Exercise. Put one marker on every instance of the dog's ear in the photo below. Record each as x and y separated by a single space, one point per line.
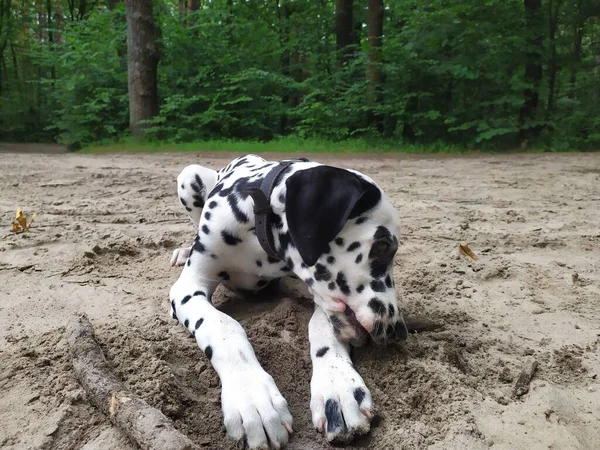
318 203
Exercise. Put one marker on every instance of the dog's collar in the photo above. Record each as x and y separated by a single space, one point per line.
262 206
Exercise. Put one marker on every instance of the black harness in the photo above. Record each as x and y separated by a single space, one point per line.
262 206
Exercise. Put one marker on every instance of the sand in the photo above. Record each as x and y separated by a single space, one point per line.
105 233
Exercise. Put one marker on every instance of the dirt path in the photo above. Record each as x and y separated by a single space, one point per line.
102 244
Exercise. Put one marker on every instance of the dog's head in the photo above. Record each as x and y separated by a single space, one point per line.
345 231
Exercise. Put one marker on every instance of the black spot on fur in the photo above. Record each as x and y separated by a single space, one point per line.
342 282
391 310
216 190
174 314
322 273
304 266
388 281
229 238
281 198
199 293
321 352
208 351
377 306
212 204
223 275
186 299
339 241
378 286
183 202
337 324
284 242
333 414
188 209
207 215
259 263
198 246
359 395
199 184
259 168
353 246
358 258
331 260
198 323
188 262
241 162
272 260
198 204
360 288
290 263
382 233
205 229
276 221
331 286
239 215
361 220
186 323
378 268
309 281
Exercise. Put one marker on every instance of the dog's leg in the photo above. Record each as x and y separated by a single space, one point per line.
194 183
340 401
253 407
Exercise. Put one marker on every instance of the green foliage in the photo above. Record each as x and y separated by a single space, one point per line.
89 94
453 75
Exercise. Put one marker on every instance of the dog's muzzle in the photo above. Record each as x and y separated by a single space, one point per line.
380 332
388 333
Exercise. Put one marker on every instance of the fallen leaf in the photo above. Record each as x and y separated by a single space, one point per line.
20 223
465 250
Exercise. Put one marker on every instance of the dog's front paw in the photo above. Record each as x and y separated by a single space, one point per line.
180 255
340 402
254 409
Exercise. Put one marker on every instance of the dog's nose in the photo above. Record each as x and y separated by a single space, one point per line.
401 330
393 332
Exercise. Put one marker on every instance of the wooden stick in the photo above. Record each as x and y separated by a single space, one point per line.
421 325
524 379
143 424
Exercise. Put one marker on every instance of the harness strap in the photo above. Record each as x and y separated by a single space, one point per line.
262 206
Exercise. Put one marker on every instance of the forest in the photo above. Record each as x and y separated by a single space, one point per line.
479 74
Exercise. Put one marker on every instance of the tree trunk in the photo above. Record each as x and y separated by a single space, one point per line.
228 22
142 64
578 34
553 64
344 30
533 66
283 17
193 5
4 25
374 72
82 9
576 59
51 36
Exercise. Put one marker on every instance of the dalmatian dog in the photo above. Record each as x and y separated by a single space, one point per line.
259 221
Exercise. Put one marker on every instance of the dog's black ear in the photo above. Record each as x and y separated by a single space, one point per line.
318 203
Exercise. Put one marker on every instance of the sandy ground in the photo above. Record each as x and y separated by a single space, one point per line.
109 223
